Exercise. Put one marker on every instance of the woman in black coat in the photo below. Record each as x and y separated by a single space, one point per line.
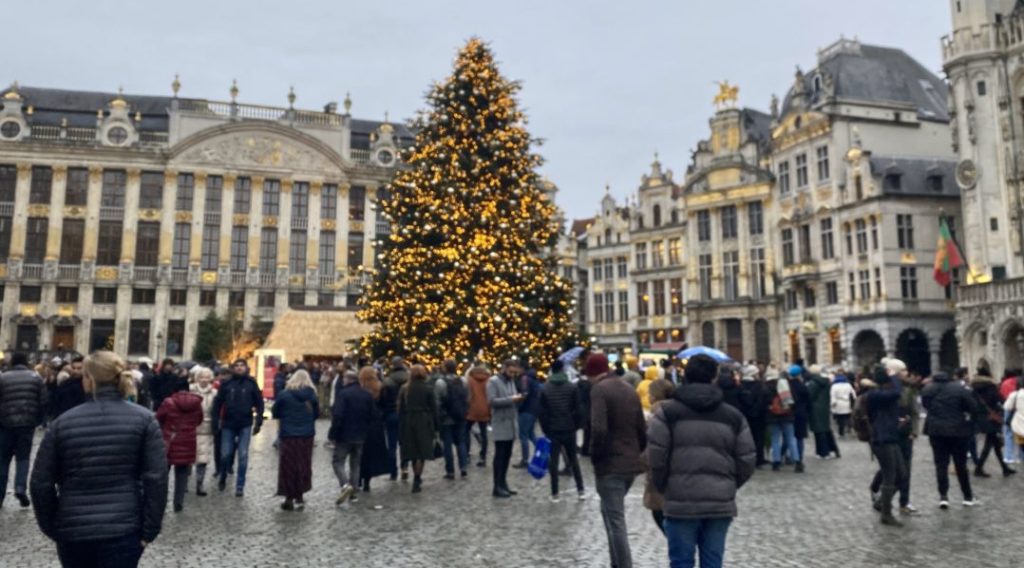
375 459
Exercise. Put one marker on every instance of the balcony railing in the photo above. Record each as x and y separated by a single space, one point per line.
211 218
111 213
145 274
7 209
179 276
32 271
992 292
327 280
360 155
802 271
258 112
69 272
238 278
267 278
300 223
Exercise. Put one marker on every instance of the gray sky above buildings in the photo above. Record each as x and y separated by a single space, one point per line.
606 84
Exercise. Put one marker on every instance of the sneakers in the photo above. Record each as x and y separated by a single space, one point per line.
287 506
799 468
222 484
944 503
353 499
346 492
555 499
464 474
971 502
239 492
978 472
581 496
909 511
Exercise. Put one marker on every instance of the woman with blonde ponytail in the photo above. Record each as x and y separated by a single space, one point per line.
107 458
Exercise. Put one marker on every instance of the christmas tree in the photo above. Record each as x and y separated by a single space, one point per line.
467 269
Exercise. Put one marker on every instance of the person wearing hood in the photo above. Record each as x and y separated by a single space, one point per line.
779 415
179 415
883 409
479 412
632 375
393 383
841 401
752 405
238 415
989 421
819 392
700 452
948 429
296 408
801 408
908 430
650 375
560 416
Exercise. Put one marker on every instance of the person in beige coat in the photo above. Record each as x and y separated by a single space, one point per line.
203 386
659 390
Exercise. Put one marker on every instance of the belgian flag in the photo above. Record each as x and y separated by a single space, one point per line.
947 255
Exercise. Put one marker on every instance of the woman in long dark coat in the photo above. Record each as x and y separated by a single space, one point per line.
296 408
375 449
417 423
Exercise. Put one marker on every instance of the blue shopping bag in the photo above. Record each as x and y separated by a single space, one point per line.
539 464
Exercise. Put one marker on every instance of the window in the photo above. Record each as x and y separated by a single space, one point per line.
356 202
598 271
805 243
101 336
893 182
934 183
823 169
783 177
42 184
186 189
112 192
982 91
300 200
296 299
329 202
853 286
239 248
623 306
657 254
268 250
874 234
355 251
77 190
325 299
179 296
676 292
849 239
35 239
703 226
266 299
327 252
236 299
30 294
243 195
827 250
905 231
656 215
858 187
6 224
728 222
865 284
609 268
675 251
831 293
801 170
642 300
791 302
67 294
609 307
704 276
787 247
104 295
109 245
757 273
8 182
211 247
993 224
731 272
138 336
755 217
297 253
147 244
598 307
641 256
878 282
71 239
623 270
151 190
862 236
271 198
207 298
659 297
810 300
180 245
214 194
144 296
175 337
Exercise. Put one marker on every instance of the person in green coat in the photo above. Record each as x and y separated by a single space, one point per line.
417 423
820 419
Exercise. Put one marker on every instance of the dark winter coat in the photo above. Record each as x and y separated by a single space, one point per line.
236 400
819 393
22 398
101 472
417 420
704 459
989 404
375 458
296 410
801 407
618 431
179 417
752 400
162 386
560 412
393 383
529 387
280 380
883 406
950 408
730 390
67 395
351 415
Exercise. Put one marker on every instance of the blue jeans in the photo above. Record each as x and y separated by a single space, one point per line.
526 424
1010 448
391 434
780 431
455 435
227 449
689 536
15 443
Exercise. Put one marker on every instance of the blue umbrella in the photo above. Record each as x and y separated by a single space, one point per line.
701 350
571 355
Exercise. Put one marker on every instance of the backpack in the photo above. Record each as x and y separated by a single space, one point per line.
456 403
860 421
777 408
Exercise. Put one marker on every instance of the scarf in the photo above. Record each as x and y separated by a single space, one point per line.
785 395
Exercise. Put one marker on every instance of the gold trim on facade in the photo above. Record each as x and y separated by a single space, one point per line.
183 217
328 225
37 210
209 277
240 220
270 221
149 214
74 212
106 273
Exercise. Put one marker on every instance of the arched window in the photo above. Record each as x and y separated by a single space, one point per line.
639 221
608 236
656 213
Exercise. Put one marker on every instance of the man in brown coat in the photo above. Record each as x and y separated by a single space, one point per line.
618 437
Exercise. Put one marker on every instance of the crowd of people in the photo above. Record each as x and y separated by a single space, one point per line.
696 433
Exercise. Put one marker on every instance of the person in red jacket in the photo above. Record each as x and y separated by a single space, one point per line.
179 415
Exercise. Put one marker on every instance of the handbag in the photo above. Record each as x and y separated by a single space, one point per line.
438 451
1017 419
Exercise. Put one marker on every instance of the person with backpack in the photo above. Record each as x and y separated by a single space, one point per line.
779 417
22 407
452 406
560 416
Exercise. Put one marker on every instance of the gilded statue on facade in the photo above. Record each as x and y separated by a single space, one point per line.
727 95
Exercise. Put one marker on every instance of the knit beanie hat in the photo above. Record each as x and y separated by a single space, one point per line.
749 373
597 365
795 370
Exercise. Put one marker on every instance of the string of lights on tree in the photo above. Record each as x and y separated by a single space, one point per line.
468 267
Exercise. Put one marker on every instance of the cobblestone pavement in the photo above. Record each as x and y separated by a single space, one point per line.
820 518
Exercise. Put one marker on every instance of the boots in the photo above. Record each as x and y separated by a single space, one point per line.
980 472
888 492
199 488
417 484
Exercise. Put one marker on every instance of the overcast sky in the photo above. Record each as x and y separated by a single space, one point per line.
605 84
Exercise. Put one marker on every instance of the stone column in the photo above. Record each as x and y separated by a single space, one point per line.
167 216
343 224
370 225
131 216
198 202
313 232
159 325
121 319
226 225
284 226
19 223
92 216
59 189
255 221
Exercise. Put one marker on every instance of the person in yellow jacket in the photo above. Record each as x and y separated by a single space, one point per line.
650 375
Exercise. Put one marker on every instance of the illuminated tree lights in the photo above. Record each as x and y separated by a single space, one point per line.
468 268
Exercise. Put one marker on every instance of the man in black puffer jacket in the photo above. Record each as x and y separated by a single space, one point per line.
700 452
950 408
560 415
239 398
22 404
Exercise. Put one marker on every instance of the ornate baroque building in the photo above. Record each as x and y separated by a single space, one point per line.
125 219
